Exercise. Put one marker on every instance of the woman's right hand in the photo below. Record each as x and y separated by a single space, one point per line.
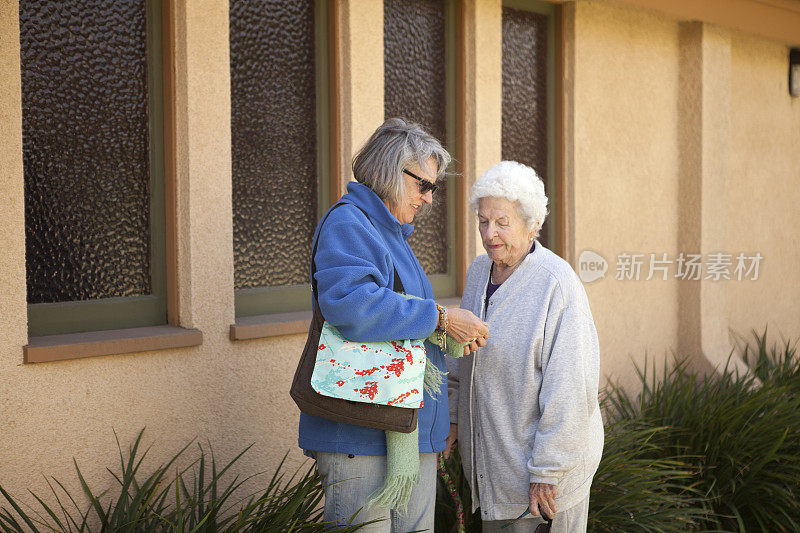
466 328
451 441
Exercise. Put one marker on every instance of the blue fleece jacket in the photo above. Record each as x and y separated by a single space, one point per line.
356 258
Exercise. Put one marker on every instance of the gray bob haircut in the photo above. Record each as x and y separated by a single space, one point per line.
396 145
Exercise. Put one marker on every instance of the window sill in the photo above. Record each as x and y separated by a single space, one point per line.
261 326
454 301
49 348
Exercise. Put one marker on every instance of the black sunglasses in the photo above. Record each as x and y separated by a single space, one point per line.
541 528
424 185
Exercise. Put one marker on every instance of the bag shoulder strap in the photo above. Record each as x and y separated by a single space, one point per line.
398 283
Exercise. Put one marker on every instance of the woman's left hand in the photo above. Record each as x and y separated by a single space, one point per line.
543 496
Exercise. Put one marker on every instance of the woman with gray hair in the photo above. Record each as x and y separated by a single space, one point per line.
361 250
524 408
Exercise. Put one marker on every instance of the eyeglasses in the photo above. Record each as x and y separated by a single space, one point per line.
541 528
424 185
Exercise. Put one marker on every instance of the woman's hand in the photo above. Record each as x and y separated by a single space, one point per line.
451 441
542 495
466 328
474 345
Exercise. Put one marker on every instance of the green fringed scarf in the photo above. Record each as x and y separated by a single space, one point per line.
402 449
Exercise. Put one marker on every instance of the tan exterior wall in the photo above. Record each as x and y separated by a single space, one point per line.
622 177
696 151
229 393
361 49
623 192
765 187
483 95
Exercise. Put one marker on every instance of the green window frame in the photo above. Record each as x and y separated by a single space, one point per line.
550 229
293 298
446 285
134 311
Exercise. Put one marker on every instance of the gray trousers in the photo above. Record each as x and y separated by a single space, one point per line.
573 520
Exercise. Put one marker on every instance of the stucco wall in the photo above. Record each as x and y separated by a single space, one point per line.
623 71
622 195
483 98
230 393
631 147
765 186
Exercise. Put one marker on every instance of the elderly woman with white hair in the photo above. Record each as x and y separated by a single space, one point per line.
524 408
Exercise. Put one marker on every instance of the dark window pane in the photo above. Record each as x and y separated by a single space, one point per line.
414 89
524 130
85 149
273 121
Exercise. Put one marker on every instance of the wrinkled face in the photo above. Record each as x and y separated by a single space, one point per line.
414 199
503 232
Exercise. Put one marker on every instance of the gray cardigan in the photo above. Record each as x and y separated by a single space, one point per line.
526 404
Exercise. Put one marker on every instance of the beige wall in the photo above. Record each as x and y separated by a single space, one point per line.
622 175
361 49
623 193
231 393
483 94
765 186
680 137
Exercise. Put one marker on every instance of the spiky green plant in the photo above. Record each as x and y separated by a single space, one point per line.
745 439
639 488
773 364
163 501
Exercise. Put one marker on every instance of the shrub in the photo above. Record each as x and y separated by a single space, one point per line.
744 436
163 502
689 452
638 487
773 365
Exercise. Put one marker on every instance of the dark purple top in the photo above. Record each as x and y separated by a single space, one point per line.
491 287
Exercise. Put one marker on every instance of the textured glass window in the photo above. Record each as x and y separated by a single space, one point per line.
415 88
274 140
525 127
85 149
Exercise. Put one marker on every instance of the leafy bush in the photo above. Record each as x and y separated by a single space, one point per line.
742 437
635 487
773 365
161 502
638 487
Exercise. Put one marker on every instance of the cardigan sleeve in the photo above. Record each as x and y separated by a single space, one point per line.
354 275
570 372
471 286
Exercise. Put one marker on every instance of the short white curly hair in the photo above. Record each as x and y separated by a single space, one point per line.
516 183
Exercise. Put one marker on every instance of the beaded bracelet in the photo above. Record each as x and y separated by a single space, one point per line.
440 323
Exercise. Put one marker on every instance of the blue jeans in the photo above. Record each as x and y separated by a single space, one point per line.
351 479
